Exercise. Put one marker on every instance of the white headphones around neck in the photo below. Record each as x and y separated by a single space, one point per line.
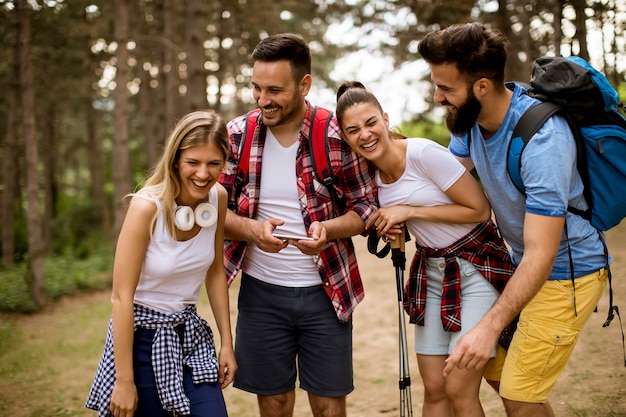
205 215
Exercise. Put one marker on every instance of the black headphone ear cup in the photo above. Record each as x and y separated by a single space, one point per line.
184 218
206 215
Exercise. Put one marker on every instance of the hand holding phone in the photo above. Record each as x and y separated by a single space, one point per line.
288 236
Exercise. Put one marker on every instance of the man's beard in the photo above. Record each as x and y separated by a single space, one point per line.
288 112
462 121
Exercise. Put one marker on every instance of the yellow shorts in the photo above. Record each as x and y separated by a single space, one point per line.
546 335
493 370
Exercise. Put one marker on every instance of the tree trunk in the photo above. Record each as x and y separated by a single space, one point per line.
49 159
97 170
10 151
33 212
159 93
606 17
197 74
228 59
516 69
148 118
9 179
147 54
557 32
121 160
170 66
527 42
581 28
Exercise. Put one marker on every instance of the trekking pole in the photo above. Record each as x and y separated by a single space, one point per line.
398 258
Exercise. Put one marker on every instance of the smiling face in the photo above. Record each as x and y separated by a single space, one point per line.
453 92
199 168
365 129
278 95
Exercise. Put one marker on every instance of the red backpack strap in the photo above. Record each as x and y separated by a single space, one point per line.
243 165
318 135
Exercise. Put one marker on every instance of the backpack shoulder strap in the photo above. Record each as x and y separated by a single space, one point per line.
320 120
318 135
526 127
243 164
524 130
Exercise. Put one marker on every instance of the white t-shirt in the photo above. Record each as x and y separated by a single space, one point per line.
430 170
278 198
173 271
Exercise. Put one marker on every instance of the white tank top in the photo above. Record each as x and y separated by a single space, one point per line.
278 198
173 272
430 170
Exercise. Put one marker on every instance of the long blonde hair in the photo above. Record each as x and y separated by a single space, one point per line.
194 129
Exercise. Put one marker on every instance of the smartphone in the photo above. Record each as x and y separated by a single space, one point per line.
287 236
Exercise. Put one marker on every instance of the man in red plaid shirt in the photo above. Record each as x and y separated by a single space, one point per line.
297 295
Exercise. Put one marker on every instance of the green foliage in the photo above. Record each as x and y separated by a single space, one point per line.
14 290
20 238
77 230
64 274
425 129
621 91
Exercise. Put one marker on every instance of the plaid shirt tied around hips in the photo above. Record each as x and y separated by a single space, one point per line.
353 182
168 357
485 249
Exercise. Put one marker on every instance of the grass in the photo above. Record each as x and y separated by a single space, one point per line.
64 275
46 363
34 360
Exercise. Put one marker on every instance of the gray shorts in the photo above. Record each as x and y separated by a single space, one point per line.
282 331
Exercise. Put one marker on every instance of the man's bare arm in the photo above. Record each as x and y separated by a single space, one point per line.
344 226
542 235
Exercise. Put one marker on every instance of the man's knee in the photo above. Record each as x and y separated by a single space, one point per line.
280 405
522 409
327 406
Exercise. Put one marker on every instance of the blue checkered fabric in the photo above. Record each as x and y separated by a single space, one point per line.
197 351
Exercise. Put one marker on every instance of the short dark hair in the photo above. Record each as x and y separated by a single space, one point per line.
476 50
285 46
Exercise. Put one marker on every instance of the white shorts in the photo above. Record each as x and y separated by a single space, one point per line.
477 297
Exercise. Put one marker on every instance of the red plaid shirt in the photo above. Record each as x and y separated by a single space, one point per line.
336 264
484 248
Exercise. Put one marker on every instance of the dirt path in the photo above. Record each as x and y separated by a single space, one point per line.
60 347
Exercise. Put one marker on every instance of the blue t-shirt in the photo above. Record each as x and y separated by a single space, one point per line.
551 180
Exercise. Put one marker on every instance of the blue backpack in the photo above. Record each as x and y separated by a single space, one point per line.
575 90
578 92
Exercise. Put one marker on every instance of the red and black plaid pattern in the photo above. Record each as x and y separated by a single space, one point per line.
485 249
355 187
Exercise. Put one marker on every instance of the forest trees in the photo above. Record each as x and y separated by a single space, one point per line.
33 215
109 79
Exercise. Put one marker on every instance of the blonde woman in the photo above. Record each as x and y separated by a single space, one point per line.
159 356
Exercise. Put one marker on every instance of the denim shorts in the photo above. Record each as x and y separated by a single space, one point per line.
285 331
477 297
206 399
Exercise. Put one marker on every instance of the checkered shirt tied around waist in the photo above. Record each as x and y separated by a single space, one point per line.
168 357
356 186
485 249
